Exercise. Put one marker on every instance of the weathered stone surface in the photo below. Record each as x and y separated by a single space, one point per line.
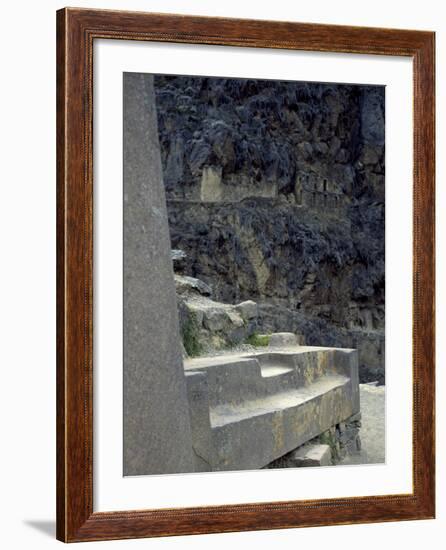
211 188
177 255
214 325
344 448
282 339
311 455
157 434
215 319
252 408
292 214
247 309
185 284
235 318
356 418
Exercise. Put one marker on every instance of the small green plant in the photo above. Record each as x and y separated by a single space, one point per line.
190 336
258 340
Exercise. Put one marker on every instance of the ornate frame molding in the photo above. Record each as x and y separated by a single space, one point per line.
76 31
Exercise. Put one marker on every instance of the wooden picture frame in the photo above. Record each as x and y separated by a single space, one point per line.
76 31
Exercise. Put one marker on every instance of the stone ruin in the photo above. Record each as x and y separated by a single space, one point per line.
311 191
283 405
315 192
248 410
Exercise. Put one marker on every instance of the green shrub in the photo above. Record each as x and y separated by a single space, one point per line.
258 340
190 335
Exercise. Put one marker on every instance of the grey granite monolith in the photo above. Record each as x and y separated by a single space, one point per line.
157 433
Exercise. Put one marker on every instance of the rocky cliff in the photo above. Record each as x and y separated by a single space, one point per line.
275 193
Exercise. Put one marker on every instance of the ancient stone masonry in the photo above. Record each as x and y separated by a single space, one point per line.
275 193
261 400
206 387
338 443
315 192
250 409
311 191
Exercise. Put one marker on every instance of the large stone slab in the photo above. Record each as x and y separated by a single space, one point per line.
311 455
250 409
157 434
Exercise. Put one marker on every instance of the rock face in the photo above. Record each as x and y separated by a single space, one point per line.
275 192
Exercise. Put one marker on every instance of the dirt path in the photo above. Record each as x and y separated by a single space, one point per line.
373 426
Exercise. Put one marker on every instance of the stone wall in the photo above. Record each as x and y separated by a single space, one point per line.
316 193
327 449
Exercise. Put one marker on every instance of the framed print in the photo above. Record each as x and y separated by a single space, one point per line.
245 275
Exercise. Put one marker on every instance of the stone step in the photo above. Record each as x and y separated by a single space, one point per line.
224 415
244 419
270 371
311 455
